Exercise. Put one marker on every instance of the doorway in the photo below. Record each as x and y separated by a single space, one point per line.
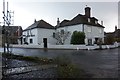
45 42
89 41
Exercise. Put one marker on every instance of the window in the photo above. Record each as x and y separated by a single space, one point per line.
88 19
24 39
31 40
100 30
27 32
54 35
62 31
89 29
96 22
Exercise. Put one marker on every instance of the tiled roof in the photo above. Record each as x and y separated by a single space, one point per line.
12 29
80 19
114 34
40 24
117 33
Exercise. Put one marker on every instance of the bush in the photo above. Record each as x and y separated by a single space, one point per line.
62 60
109 40
78 38
67 70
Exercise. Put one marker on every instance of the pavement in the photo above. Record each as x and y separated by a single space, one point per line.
18 69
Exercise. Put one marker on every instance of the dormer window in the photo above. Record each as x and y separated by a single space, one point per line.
96 22
88 19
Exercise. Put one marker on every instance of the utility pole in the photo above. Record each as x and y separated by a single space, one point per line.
6 27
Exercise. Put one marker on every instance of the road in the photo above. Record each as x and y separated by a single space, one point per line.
99 63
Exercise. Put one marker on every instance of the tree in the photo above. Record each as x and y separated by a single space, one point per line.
61 36
109 39
78 37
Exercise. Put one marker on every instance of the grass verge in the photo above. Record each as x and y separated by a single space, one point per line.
28 58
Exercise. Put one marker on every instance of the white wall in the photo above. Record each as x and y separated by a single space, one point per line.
39 34
95 32
71 29
34 32
45 33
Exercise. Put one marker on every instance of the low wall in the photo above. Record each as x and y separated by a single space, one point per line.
119 44
77 47
67 46
28 46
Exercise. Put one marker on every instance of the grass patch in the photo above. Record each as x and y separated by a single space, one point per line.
28 58
66 69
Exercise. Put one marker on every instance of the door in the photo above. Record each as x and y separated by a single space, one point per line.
89 41
45 42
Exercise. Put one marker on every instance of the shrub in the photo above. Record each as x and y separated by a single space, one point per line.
78 37
109 40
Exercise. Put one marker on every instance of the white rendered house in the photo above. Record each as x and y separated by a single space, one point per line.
84 23
42 32
38 33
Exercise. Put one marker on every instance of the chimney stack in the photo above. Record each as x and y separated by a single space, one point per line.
88 11
35 21
58 22
115 28
102 23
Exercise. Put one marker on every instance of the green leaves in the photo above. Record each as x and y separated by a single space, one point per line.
78 37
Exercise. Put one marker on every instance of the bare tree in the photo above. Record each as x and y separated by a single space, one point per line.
61 36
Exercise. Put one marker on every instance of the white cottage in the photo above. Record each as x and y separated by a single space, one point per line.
42 32
38 33
94 32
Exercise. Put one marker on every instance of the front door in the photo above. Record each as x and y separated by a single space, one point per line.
89 41
45 42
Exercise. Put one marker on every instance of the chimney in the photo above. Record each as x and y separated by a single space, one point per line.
35 21
102 23
58 22
115 28
87 11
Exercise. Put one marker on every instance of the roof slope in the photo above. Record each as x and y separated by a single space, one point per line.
12 29
40 24
80 19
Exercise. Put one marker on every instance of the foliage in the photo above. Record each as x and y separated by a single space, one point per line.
28 58
117 39
109 40
61 36
67 70
62 60
78 37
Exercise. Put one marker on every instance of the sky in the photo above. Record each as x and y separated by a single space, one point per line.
26 11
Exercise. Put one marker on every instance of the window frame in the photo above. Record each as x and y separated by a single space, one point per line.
89 29
31 40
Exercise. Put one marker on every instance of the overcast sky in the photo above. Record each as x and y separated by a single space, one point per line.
25 11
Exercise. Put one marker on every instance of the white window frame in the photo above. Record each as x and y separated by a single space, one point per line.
89 28
88 19
96 22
